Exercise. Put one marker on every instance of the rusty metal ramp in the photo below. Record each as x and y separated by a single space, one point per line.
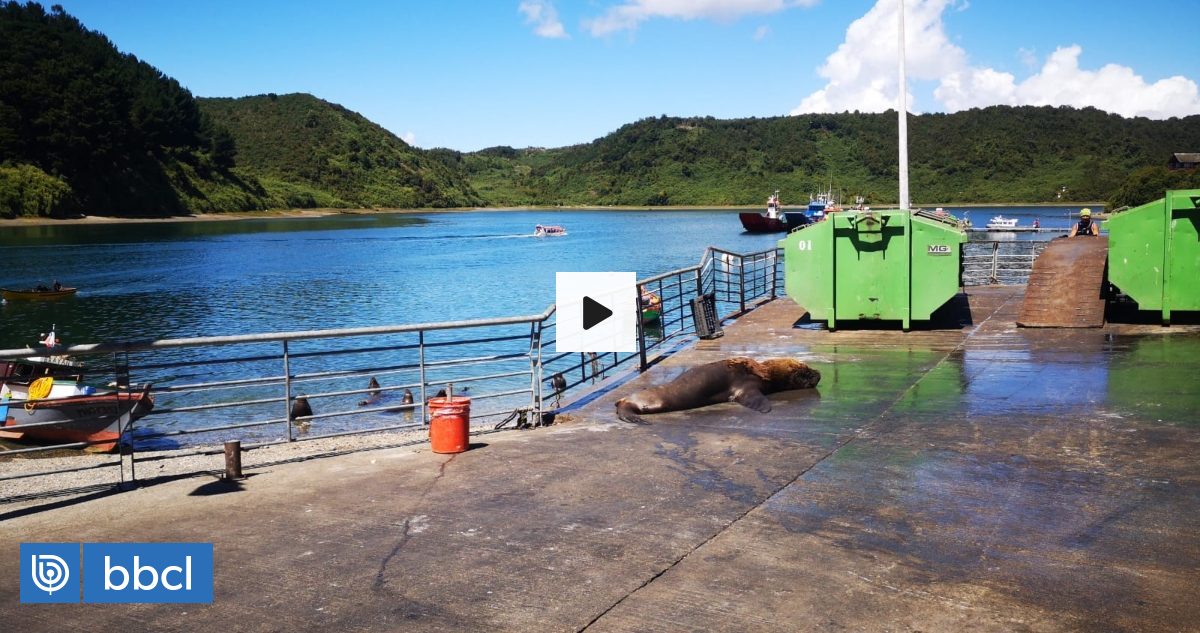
1066 286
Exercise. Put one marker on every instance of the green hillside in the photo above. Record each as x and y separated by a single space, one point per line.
85 128
996 154
315 153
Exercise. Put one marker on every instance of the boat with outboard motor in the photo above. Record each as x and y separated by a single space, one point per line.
43 399
549 230
40 293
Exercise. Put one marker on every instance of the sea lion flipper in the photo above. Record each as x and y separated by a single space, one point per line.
753 399
627 412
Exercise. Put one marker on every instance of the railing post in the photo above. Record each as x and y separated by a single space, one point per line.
641 327
287 391
421 366
995 261
774 274
742 283
535 370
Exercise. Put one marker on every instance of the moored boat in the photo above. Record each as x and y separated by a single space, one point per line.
1000 223
772 221
549 230
43 399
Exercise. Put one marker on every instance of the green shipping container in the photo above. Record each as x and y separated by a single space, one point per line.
876 265
1154 253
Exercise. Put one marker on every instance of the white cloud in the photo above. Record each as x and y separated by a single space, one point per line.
861 73
409 137
631 13
544 18
1061 81
761 32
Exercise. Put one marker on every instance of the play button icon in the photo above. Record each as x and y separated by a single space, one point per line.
593 312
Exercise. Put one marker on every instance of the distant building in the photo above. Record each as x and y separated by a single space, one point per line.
1184 160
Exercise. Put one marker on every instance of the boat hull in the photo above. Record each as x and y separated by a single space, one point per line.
36 295
98 418
760 223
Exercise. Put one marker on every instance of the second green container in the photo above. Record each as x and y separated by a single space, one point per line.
874 265
1154 253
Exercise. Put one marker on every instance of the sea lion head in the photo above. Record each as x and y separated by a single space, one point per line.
789 373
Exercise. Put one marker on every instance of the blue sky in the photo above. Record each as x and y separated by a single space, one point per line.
473 74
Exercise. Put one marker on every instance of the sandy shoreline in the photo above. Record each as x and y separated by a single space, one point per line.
320 213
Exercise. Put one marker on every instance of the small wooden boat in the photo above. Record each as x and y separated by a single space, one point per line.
651 308
36 294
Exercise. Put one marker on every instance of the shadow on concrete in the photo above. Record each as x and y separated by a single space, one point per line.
219 487
955 314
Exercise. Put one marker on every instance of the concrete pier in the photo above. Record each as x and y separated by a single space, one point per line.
975 477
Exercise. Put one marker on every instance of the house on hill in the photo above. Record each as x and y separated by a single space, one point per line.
1184 160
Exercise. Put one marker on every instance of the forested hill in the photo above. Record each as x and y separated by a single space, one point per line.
995 154
326 155
86 128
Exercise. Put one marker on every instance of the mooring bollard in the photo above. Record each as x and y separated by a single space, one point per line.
233 459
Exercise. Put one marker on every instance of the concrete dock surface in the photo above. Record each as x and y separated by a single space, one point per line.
973 476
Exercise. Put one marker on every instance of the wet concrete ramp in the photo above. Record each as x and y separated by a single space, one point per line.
1066 286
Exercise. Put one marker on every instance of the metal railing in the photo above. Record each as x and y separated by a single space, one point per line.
275 388
999 262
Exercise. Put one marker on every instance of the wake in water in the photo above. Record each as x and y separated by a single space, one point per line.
426 238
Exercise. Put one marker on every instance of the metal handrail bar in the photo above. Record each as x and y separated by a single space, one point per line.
381 388
392 348
215 405
679 271
108 464
221 384
39 449
275 337
208 429
400 407
478 360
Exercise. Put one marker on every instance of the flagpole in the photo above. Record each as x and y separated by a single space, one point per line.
902 115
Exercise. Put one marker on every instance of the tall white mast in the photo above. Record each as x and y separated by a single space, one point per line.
902 115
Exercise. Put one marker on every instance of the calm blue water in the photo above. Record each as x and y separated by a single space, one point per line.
182 279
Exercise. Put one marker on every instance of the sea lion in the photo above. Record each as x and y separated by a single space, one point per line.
559 383
407 398
301 409
741 380
373 395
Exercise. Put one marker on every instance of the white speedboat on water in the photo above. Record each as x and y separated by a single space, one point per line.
549 230
1000 223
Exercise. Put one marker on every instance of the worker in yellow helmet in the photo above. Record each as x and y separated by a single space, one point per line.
1085 226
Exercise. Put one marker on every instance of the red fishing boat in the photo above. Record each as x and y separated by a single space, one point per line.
770 222
43 399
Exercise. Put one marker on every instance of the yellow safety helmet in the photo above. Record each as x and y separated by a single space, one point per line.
1085 213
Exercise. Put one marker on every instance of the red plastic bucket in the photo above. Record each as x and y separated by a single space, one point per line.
449 424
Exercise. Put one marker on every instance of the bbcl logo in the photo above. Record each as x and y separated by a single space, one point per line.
117 572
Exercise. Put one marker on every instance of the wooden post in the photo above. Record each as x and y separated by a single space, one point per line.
233 459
